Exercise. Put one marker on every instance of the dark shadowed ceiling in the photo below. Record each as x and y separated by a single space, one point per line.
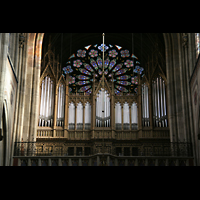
142 44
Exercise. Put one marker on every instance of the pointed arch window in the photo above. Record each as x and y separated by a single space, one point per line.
159 102
46 102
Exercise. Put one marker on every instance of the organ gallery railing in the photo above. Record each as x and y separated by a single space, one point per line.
138 149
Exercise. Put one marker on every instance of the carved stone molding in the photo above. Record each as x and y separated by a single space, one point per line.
185 39
22 37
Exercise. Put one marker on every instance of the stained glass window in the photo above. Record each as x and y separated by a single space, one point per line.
81 53
82 82
86 64
82 77
71 79
134 80
197 40
138 69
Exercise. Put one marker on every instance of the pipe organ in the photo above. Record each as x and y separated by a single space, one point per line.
134 116
84 105
46 103
71 116
79 114
61 105
118 116
103 109
145 105
87 116
78 105
127 118
159 102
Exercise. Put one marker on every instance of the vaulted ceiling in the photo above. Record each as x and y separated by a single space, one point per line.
142 44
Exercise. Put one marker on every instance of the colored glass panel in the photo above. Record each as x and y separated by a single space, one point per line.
71 79
81 53
129 63
99 62
124 77
118 47
112 63
134 80
88 67
101 47
119 66
113 53
124 53
121 71
87 47
82 82
123 83
67 69
93 63
121 88
84 88
84 71
82 77
93 53
138 69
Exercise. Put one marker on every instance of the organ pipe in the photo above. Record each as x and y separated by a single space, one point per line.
46 102
145 105
102 104
159 102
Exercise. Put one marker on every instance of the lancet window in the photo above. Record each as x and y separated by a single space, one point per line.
159 102
103 109
47 102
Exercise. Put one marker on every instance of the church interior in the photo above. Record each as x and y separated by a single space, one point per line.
99 99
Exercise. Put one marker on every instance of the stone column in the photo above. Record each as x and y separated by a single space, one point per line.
19 70
35 88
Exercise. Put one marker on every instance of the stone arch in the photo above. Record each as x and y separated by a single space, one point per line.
4 136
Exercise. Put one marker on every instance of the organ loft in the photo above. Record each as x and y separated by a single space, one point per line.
101 99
